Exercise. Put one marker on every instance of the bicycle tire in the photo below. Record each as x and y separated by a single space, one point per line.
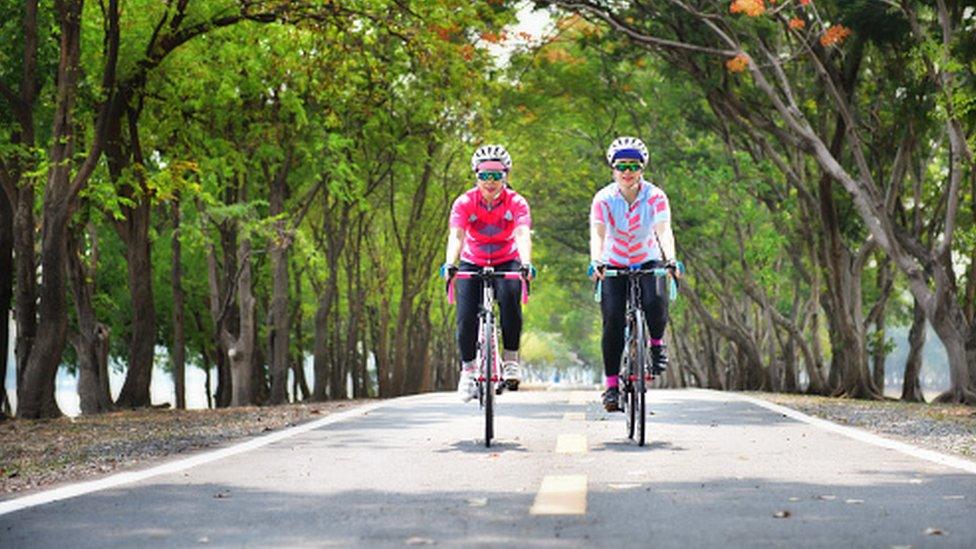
640 385
628 390
489 389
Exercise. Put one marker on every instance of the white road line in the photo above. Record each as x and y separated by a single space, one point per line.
571 444
561 495
81 488
861 435
574 416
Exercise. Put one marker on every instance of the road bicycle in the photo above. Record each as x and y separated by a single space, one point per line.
489 381
635 369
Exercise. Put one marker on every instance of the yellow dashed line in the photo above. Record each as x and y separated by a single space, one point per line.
561 495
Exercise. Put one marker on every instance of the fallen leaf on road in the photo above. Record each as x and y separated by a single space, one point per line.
794 498
782 514
827 498
854 501
420 541
222 495
477 502
934 532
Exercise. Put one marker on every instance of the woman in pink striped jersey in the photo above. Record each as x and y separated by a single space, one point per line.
630 225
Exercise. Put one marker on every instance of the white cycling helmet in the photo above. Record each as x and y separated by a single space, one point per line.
491 152
627 147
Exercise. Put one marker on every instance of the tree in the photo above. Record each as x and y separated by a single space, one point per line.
774 103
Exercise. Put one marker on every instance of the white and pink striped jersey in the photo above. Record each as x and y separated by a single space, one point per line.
630 238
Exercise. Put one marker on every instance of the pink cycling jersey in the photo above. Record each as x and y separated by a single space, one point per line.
630 238
489 229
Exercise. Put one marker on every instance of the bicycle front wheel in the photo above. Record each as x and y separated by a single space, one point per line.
488 368
627 387
640 385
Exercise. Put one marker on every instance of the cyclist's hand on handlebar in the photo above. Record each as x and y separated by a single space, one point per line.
595 271
528 272
676 268
448 270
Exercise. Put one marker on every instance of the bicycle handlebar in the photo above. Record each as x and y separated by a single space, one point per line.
495 275
658 272
477 274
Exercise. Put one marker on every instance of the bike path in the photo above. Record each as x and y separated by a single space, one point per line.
718 471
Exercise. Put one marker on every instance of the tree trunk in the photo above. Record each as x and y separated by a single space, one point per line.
300 390
712 372
223 394
36 399
911 389
790 384
240 350
26 282
205 358
179 316
92 338
321 365
19 189
134 231
260 387
279 296
384 379
954 331
6 290
878 355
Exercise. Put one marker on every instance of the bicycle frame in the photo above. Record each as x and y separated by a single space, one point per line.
635 371
488 355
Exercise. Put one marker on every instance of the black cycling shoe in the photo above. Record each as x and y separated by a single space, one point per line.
659 359
611 400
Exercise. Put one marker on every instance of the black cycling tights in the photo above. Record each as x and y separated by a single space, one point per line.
613 304
508 294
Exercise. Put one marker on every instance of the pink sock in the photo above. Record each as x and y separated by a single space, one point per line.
656 342
612 381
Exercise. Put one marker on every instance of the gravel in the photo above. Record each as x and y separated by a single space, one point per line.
38 454
940 427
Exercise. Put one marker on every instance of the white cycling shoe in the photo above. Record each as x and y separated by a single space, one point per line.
512 374
467 387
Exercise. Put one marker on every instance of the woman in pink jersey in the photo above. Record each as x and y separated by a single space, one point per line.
489 226
630 225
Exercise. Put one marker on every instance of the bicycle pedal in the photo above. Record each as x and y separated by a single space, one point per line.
512 384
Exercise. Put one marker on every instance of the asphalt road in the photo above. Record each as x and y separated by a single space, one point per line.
718 472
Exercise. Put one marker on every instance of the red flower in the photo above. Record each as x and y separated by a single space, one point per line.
834 35
752 8
738 63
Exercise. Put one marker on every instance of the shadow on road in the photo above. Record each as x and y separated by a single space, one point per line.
478 447
714 512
